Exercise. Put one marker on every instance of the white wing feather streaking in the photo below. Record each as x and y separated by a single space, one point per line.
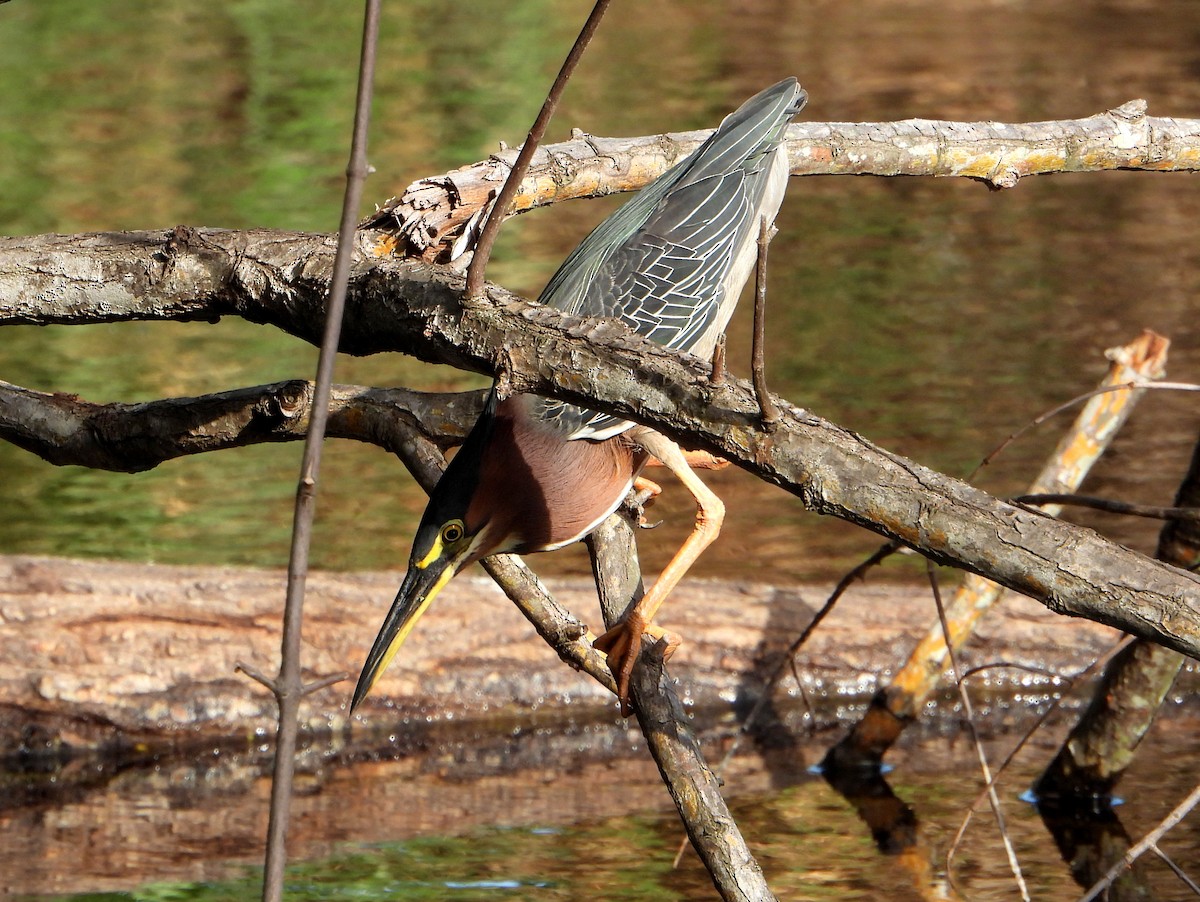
671 263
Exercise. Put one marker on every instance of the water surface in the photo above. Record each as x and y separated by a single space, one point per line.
564 809
935 317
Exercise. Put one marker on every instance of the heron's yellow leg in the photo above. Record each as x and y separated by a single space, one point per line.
696 460
623 642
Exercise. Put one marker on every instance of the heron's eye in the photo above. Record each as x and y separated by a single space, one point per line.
453 532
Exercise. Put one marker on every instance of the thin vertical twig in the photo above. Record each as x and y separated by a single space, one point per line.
288 687
1051 708
1177 870
993 797
487 238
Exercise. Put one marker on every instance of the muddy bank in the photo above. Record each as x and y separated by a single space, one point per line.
108 654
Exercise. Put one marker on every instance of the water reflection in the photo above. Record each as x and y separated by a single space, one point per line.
565 804
1093 840
934 317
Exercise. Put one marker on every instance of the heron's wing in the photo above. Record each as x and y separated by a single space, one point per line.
665 282
660 264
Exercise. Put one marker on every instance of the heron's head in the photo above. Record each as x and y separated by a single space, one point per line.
453 533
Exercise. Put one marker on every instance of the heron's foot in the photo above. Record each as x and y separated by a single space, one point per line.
644 493
623 643
703 460
644 486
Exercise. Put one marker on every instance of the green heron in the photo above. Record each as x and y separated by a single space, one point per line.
535 474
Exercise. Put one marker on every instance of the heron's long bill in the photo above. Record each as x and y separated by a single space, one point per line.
419 588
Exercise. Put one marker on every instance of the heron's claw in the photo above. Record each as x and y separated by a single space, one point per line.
644 493
623 643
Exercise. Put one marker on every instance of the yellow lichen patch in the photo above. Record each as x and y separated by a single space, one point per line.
742 436
386 246
972 163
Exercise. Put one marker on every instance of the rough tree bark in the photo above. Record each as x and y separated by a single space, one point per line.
1099 748
695 789
281 279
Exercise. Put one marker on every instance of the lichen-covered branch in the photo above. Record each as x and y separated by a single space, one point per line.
431 212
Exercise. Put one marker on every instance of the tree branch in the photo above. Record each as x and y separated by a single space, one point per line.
695 789
130 438
432 211
414 307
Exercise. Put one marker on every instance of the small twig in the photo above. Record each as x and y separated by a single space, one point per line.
321 682
808 708
257 675
487 238
1132 385
1146 844
717 375
1029 733
789 656
997 811
1176 870
758 367
1191 514
273 686
1013 665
